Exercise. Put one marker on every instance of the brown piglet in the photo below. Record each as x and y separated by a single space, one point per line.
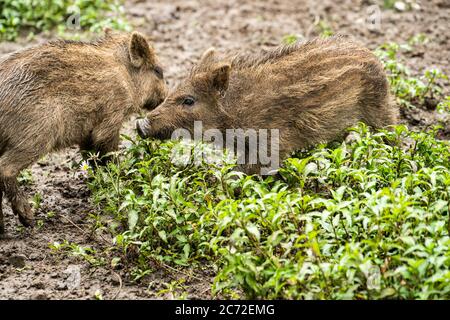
308 92
65 93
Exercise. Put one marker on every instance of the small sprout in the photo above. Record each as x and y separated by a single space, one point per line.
39 224
324 28
50 214
37 200
98 295
25 177
410 91
290 39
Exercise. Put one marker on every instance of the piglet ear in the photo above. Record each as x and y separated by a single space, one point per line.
221 77
208 57
140 51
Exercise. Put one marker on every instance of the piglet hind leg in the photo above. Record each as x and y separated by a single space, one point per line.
9 185
19 203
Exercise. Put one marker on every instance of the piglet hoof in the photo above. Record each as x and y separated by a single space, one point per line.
25 215
27 221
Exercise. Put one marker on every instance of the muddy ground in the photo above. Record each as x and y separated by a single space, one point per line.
182 30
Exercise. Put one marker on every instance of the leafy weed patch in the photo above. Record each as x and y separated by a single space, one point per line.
368 219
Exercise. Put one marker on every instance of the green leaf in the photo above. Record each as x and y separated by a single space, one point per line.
162 234
254 231
133 217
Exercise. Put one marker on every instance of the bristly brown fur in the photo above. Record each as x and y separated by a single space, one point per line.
246 60
64 93
251 60
311 92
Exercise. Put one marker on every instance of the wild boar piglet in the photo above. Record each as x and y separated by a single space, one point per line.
65 93
308 92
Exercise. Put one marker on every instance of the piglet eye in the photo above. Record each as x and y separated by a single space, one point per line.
188 101
159 72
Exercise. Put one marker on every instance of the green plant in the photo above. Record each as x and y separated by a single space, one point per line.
25 177
388 4
363 220
39 224
290 39
368 220
324 29
444 106
50 214
172 290
36 16
410 91
37 200
72 249
406 5
98 295
158 205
